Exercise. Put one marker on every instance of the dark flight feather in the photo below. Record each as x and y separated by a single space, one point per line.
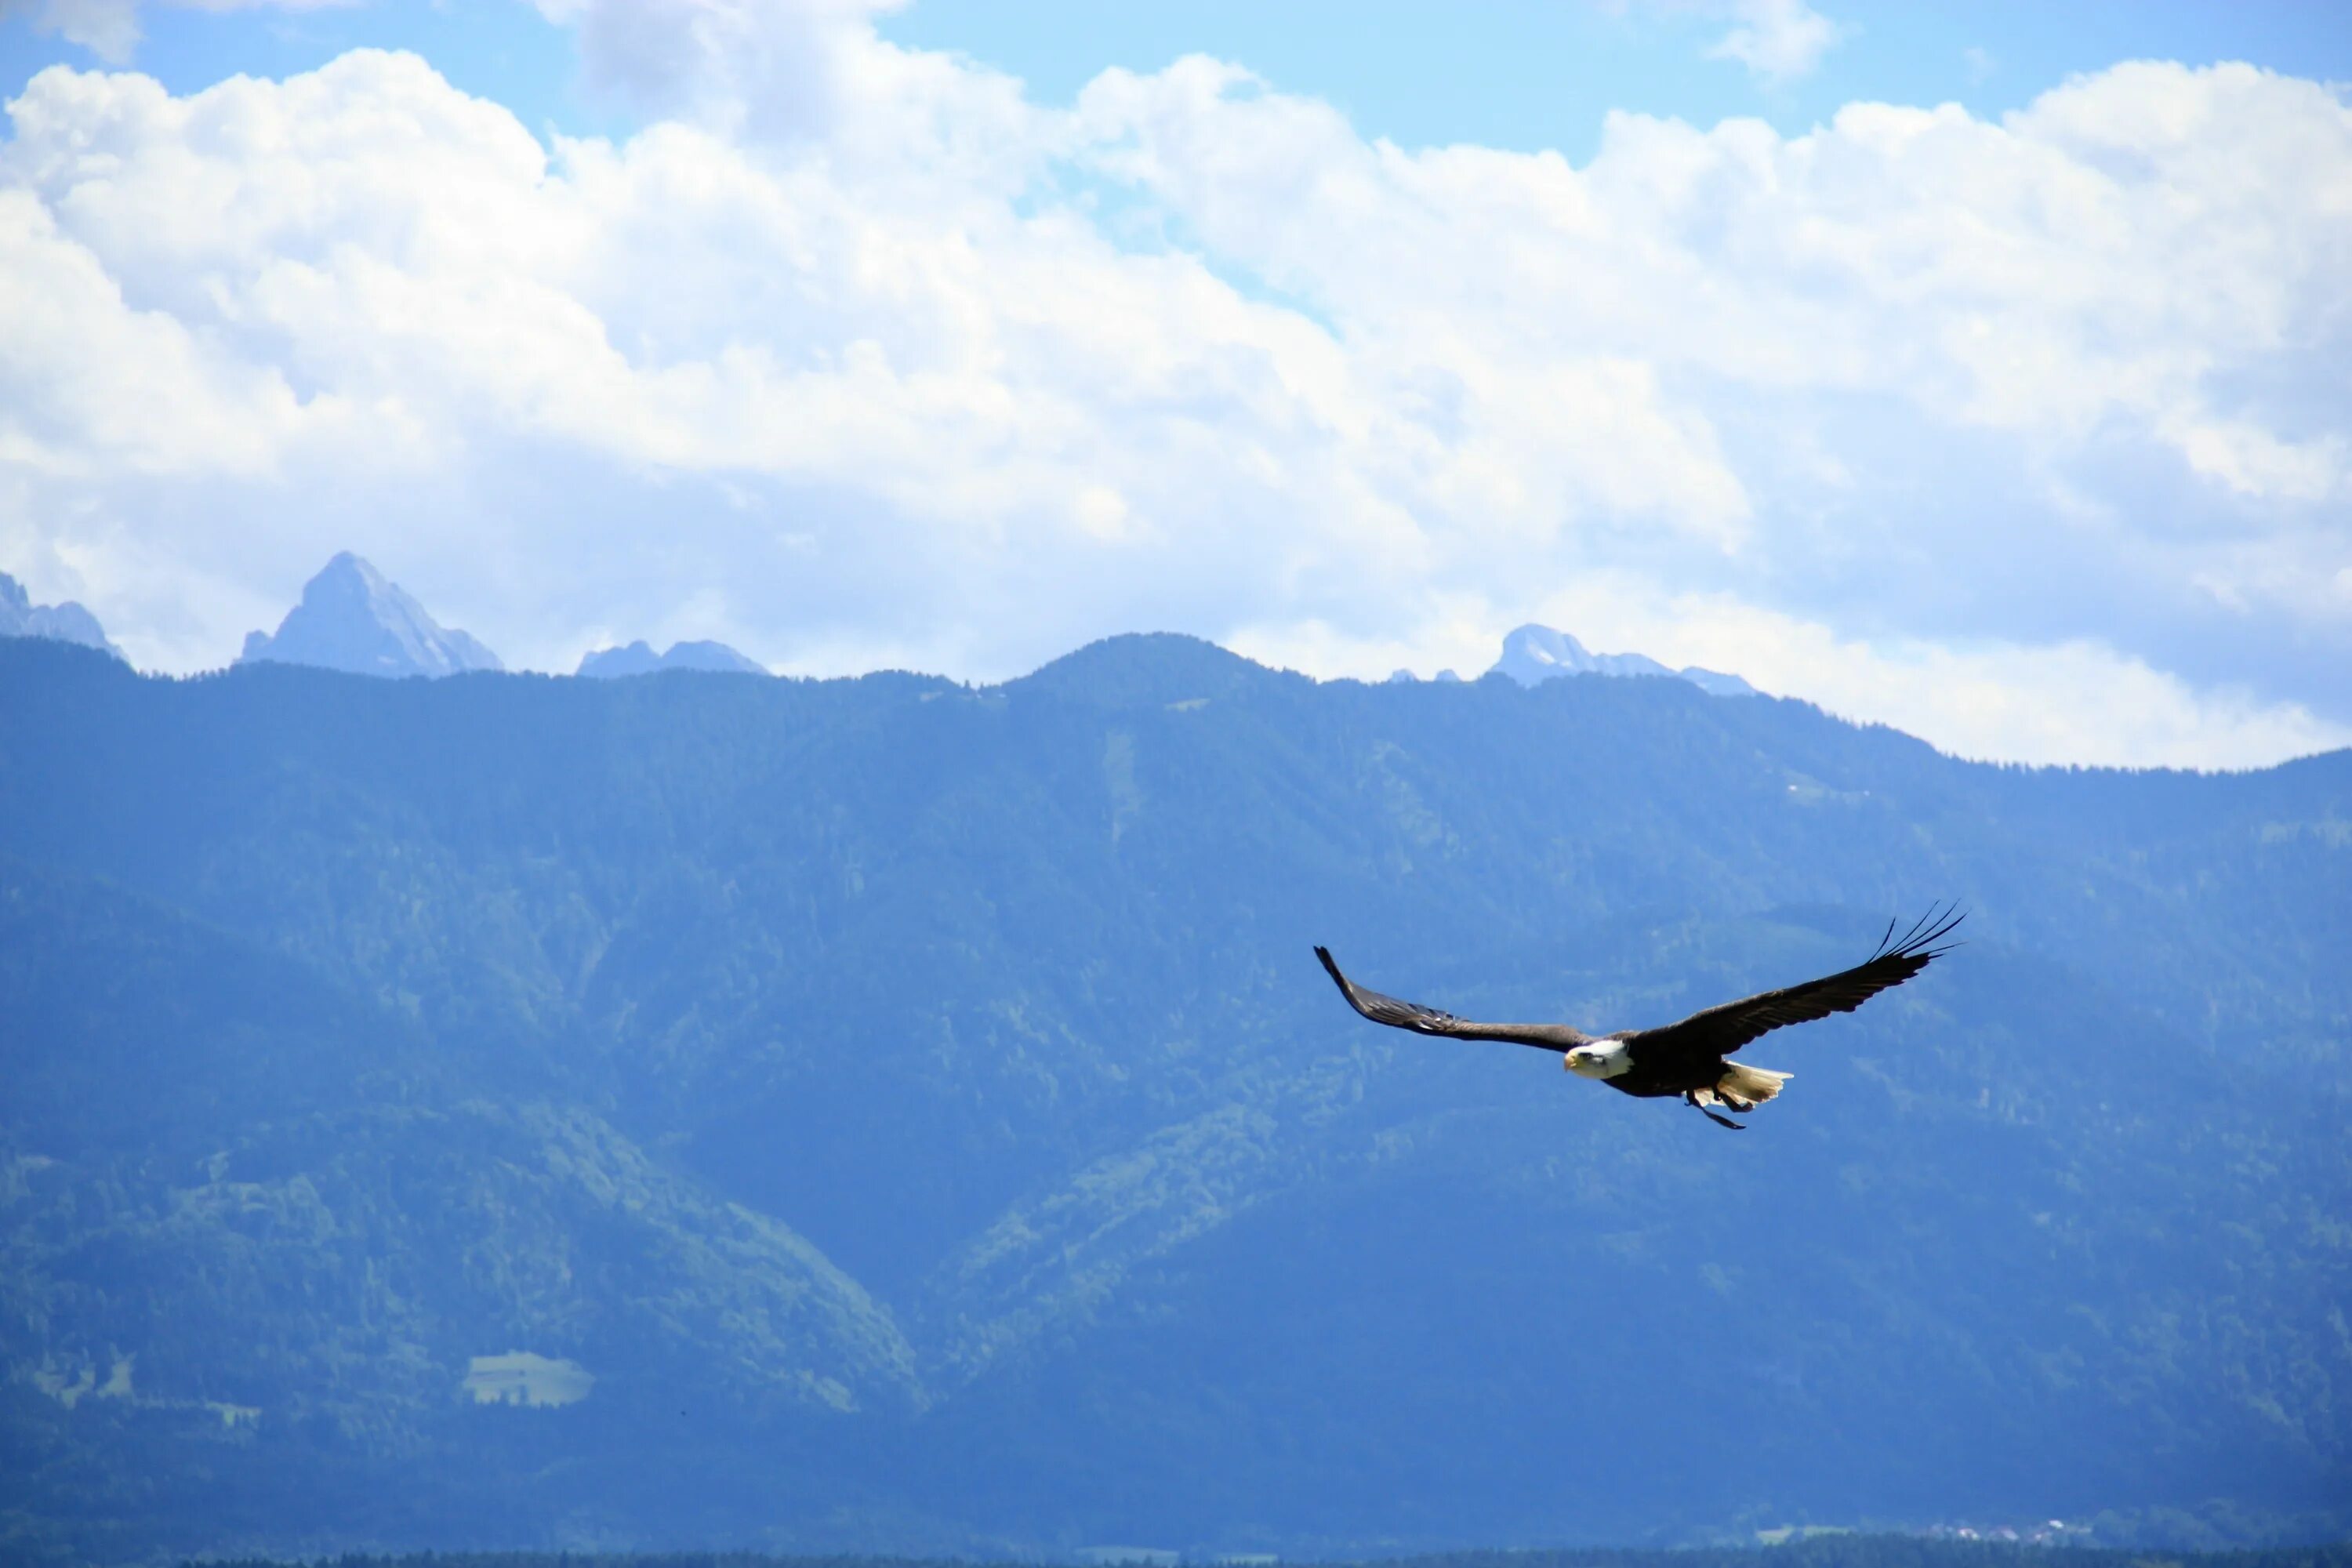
1421 1020
1720 1031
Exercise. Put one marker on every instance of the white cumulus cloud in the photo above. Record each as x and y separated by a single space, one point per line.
2026 435
1778 40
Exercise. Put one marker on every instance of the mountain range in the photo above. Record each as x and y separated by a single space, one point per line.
68 622
352 618
885 1114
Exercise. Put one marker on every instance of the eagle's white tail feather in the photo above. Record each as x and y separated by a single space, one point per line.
1754 1085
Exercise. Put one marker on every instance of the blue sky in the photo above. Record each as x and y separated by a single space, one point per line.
1527 75
1973 369
1521 74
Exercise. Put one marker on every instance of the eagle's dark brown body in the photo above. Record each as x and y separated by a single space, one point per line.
1691 1058
1663 1076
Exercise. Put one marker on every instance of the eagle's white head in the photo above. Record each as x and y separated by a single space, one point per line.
1602 1058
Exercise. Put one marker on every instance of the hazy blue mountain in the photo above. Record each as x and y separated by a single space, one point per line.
881 1114
1533 653
639 658
352 618
68 622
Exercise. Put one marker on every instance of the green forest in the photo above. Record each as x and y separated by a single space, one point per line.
889 1116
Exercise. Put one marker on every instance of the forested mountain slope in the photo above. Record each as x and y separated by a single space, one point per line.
892 1114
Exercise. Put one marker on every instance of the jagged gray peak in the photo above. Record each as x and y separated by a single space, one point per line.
1533 653
639 658
354 618
68 622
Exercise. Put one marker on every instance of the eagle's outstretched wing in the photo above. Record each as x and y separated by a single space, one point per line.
1720 1031
1423 1020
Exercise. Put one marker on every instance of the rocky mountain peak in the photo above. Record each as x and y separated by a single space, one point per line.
354 619
639 658
1533 653
68 622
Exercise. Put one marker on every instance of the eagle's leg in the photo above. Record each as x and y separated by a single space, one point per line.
1690 1097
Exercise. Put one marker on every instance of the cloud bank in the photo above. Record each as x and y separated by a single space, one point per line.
2028 436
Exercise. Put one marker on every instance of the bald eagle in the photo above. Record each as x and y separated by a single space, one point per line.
1689 1058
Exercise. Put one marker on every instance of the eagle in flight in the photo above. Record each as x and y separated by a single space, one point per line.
1690 1059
